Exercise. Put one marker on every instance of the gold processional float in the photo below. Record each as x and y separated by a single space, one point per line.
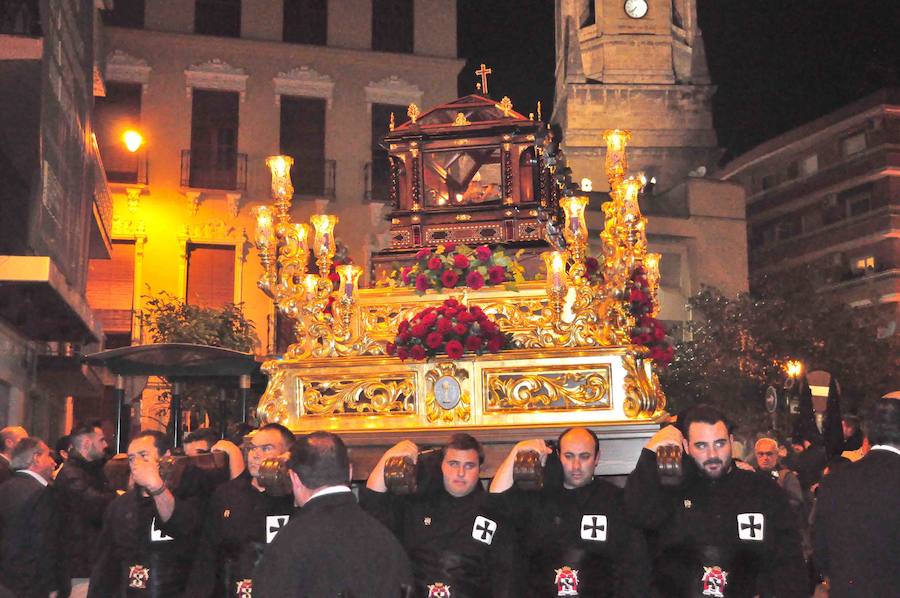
571 358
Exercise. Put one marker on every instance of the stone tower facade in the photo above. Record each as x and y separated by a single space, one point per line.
637 65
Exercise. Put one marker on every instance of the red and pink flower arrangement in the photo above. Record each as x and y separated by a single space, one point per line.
452 266
452 328
648 331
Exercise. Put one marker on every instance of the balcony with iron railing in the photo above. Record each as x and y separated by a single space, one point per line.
214 168
314 178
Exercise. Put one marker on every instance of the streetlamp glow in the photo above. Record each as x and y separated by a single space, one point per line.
133 140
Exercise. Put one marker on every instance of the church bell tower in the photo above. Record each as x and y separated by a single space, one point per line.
636 65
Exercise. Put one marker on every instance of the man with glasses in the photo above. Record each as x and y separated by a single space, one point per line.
242 518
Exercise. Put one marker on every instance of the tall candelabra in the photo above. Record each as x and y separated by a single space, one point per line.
284 251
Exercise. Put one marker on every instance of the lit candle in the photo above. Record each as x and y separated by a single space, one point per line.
631 189
280 167
324 241
311 282
264 230
349 274
576 229
555 263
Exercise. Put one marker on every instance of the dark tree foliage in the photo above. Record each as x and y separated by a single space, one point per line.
738 346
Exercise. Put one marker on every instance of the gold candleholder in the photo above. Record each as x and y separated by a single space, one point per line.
575 233
557 281
324 245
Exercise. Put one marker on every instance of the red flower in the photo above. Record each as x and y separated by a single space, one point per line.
495 343
429 319
391 349
334 277
474 280
460 329
450 303
423 252
460 261
420 331
449 278
451 312
454 349
404 274
497 274
421 283
465 317
448 247
444 325
403 326
474 342
477 312
434 340
659 333
483 253
434 263
417 352
402 339
489 328
402 353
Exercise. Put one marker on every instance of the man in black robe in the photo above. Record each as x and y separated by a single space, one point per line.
455 537
9 438
722 531
331 547
573 532
147 542
31 560
242 518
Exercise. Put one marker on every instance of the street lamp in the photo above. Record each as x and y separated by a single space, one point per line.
133 140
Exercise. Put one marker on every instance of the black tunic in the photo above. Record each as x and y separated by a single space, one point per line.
462 543
333 548
733 537
240 521
577 542
140 556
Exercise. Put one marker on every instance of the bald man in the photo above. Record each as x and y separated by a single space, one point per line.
573 535
768 461
9 438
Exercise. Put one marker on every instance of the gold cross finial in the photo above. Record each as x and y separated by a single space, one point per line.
483 72
505 105
391 125
539 110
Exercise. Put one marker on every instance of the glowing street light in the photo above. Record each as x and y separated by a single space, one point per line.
133 140
793 368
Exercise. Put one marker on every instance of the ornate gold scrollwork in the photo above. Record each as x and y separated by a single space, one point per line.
440 404
379 397
548 391
273 406
643 395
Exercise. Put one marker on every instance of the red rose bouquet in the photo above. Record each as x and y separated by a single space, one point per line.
648 331
452 266
452 328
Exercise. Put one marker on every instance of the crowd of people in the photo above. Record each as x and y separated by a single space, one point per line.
782 521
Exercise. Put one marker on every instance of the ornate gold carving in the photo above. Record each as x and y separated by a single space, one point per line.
387 396
434 412
463 217
643 394
413 113
548 390
460 120
273 406
505 105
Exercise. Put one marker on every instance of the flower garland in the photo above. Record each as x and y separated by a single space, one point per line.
452 266
648 331
452 328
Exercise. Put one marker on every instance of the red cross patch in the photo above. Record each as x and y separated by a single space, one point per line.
566 582
714 581
244 588
138 577
438 590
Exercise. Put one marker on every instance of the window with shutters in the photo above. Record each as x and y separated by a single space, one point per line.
210 275
303 138
214 139
305 22
125 13
110 288
218 17
392 26
381 167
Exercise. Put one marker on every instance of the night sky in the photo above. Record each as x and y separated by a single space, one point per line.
776 63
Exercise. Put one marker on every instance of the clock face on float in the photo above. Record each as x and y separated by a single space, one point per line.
636 9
